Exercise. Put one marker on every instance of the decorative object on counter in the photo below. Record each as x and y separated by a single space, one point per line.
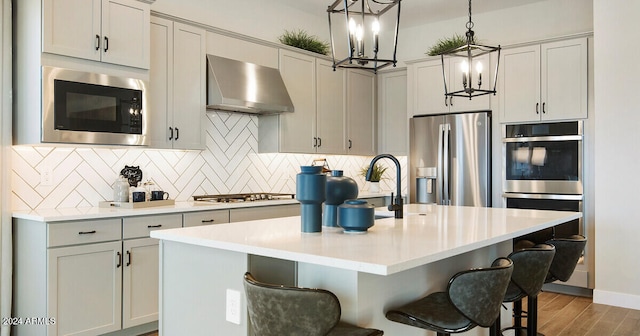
397 206
323 163
339 189
362 18
377 174
121 189
138 196
310 192
159 195
469 51
140 189
133 174
149 187
355 216
303 40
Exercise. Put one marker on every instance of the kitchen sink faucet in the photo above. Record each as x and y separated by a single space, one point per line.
397 206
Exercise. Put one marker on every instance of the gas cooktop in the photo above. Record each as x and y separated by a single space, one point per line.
249 197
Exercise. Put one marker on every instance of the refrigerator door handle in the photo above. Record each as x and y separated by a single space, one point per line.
439 172
446 163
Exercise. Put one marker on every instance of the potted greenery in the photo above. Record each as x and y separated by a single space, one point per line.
377 173
301 39
448 43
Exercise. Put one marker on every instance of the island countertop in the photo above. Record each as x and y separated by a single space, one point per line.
426 234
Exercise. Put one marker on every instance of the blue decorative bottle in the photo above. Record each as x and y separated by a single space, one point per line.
310 192
339 189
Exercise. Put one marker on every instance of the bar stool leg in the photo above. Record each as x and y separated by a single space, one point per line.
495 330
532 316
517 317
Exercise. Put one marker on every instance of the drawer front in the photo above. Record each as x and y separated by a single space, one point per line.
137 227
205 218
83 232
264 212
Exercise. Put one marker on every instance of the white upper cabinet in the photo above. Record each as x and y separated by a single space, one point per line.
111 31
426 87
361 113
393 123
544 82
177 85
298 129
330 117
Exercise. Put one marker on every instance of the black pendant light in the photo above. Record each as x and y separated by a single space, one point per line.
472 68
363 27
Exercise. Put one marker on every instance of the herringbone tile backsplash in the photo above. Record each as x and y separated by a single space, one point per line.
83 176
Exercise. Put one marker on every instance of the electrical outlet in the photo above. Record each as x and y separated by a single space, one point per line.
233 306
46 176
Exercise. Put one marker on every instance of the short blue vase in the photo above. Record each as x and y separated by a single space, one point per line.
310 192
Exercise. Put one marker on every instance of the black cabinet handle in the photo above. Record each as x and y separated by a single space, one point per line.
544 111
350 144
537 108
97 42
177 133
451 100
445 101
86 232
128 258
208 220
319 142
119 259
315 142
154 226
171 133
106 44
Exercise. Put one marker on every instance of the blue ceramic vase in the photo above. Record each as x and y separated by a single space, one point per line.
339 189
310 192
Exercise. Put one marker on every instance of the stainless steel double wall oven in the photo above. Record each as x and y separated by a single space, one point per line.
543 169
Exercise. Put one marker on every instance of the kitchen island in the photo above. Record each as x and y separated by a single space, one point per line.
396 261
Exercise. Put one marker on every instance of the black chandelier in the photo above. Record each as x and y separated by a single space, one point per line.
471 52
358 15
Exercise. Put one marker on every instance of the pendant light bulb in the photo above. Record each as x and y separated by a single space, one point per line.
375 27
464 66
479 67
352 26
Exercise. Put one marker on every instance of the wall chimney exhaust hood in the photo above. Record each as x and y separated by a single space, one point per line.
245 87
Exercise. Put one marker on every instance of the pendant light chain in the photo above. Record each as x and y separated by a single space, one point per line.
470 23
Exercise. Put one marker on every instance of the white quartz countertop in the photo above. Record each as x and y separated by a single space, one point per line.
86 213
426 234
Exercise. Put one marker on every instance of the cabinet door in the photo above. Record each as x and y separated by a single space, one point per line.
520 84
189 76
330 116
361 113
140 282
298 129
72 28
160 84
461 104
426 88
84 291
564 80
392 113
125 33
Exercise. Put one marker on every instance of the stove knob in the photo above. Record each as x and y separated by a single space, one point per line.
269 197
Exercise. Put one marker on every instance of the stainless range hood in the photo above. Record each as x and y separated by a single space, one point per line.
245 87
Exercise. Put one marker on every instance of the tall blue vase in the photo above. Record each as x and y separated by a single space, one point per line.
339 189
310 192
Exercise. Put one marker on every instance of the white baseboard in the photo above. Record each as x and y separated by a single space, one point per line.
616 299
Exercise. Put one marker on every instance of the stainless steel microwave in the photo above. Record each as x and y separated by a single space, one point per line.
89 108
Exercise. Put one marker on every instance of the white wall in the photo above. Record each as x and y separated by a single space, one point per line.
617 156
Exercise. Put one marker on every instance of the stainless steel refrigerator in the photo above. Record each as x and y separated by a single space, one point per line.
450 159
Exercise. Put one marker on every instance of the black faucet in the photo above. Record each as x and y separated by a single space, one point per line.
397 206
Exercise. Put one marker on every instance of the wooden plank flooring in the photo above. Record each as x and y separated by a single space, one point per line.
565 315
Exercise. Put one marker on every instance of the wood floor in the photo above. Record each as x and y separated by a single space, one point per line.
565 315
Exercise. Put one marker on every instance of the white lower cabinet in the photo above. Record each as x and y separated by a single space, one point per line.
140 282
90 277
84 289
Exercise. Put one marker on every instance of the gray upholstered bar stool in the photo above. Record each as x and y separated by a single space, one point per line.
473 298
568 253
292 311
530 268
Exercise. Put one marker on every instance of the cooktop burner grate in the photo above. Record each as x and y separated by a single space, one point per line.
249 197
